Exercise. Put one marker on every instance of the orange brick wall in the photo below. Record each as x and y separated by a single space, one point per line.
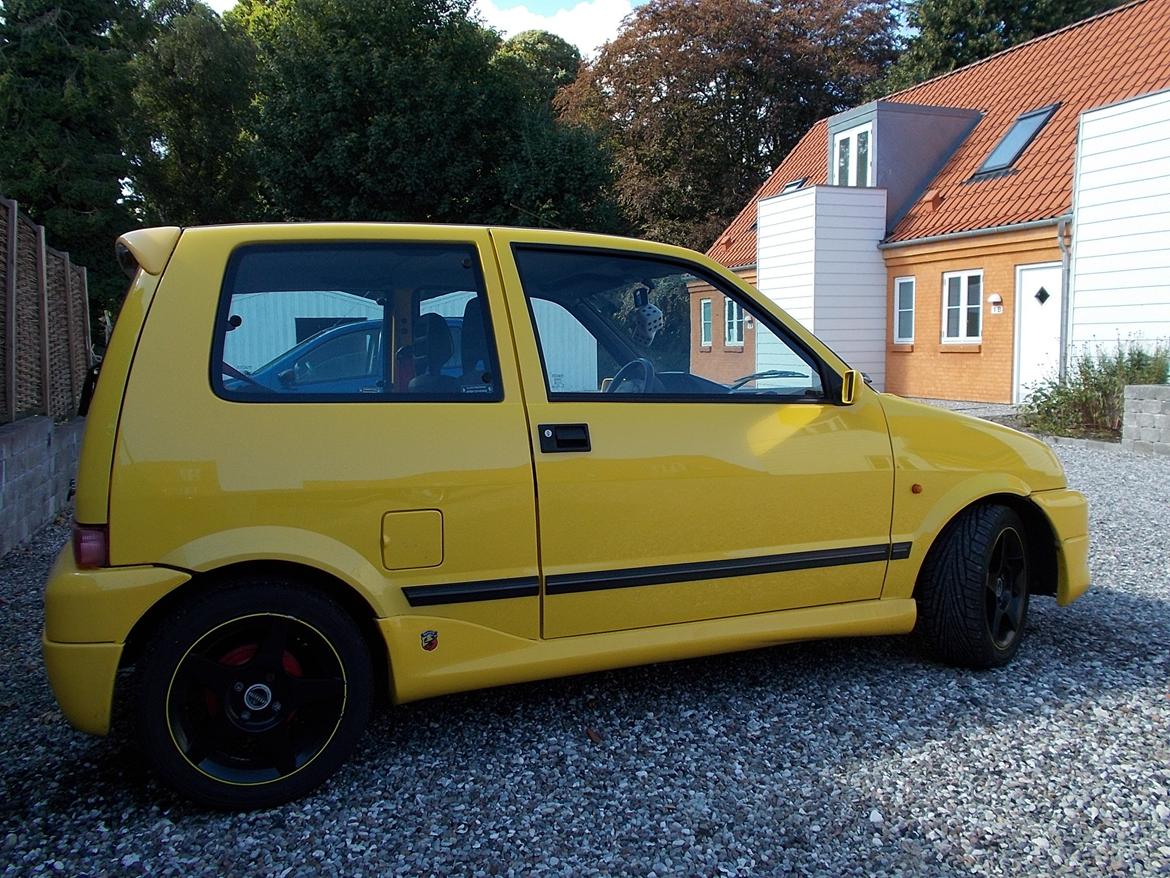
718 361
981 372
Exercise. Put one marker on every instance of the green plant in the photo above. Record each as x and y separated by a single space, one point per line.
1090 400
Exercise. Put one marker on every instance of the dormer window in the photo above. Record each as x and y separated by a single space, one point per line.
1012 145
852 156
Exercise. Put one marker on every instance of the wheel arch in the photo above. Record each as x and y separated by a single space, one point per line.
1040 539
353 602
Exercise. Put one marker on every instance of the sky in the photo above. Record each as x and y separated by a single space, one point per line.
584 23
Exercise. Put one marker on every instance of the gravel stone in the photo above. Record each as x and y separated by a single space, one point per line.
843 758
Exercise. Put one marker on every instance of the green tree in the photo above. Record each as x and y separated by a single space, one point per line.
189 134
949 34
553 174
409 110
700 99
541 62
64 82
362 104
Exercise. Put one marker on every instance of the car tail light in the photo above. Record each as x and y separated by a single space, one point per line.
91 545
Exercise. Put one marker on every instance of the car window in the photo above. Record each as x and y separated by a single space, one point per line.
363 322
614 326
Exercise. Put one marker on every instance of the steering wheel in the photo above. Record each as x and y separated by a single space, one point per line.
627 374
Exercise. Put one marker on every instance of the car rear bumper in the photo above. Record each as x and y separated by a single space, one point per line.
82 676
1068 513
88 616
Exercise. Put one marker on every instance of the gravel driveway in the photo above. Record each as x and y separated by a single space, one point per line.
836 758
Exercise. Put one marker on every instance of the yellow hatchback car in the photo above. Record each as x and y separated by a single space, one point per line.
328 461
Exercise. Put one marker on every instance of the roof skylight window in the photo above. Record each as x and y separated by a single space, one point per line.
793 185
1012 145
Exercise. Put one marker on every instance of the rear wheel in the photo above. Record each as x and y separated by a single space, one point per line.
973 590
253 694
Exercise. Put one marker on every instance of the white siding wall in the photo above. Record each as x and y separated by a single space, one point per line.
1121 233
817 258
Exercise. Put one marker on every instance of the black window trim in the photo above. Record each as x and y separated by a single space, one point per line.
218 334
830 380
985 172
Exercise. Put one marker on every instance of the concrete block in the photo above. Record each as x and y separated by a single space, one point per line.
1148 434
1126 444
1162 448
1151 406
1145 419
1143 447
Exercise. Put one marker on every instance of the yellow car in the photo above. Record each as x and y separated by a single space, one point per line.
327 462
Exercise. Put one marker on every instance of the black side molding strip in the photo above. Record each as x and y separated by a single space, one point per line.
529 586
637 576
489 590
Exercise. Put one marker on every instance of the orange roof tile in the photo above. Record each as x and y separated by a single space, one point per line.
1108 58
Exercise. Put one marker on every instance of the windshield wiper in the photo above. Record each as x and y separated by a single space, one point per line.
771 373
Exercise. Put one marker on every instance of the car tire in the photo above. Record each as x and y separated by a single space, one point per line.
252 694
973 589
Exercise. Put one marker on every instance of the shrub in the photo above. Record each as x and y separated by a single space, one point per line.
1090 401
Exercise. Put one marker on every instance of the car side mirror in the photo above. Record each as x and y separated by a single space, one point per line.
849 385
287 378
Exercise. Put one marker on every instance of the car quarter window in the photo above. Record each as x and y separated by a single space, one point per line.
354 322
617 326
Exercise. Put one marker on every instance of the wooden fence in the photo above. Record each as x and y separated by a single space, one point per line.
45 348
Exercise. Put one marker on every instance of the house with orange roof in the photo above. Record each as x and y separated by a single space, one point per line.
963 238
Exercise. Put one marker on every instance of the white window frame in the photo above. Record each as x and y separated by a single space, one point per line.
706 322
899 309
733 320
850 136
963 306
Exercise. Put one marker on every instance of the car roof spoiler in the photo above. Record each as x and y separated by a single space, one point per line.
148 249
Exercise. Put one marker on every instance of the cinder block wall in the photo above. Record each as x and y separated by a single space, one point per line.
1146 427
37 461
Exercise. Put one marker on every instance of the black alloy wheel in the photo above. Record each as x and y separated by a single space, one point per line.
973 589
241 705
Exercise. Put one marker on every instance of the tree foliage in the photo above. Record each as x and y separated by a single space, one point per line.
949 34
63 86
398 110
189 132
700 99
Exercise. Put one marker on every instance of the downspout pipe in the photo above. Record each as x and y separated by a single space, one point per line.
1062 234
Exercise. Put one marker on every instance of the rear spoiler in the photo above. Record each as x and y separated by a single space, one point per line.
148 249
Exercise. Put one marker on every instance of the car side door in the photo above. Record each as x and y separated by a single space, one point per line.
675 484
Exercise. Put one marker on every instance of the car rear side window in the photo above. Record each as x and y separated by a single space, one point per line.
354 322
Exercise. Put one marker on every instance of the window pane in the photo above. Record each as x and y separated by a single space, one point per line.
843 161
972 322
733 322
954 286
603 318
905 324
952 322
974 289
705 322
1018 136
906 294
310 320
862 178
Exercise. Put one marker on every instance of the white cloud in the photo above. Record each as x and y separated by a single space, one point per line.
587 25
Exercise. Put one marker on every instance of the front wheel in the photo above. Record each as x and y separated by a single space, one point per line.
253 694
973 590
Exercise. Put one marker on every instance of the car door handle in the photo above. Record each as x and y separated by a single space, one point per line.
557 438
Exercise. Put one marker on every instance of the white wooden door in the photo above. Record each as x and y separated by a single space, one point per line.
1037 325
